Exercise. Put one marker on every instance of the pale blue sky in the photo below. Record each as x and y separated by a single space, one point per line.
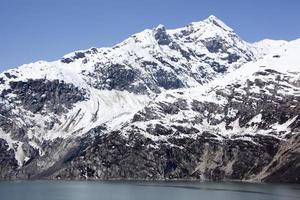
47 29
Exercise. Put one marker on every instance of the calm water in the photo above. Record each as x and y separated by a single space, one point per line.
86 190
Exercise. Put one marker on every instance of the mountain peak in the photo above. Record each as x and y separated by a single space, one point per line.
217 22
212 17
160 27
195 92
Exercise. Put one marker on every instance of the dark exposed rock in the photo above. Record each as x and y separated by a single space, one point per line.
2 81
9 164
185 130
145 115
39 94
167 80
108 158
8 75
173 108
67 60
77 55
214 45
159 130
276 56
161 35
118 77
285 168
218 68
233 58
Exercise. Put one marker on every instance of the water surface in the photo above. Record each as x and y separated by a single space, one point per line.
131 190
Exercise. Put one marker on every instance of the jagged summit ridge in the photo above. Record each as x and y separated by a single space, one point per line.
189 56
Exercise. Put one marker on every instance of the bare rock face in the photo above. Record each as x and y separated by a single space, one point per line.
8 163
161 35
34 95
285 166
200 158
194 103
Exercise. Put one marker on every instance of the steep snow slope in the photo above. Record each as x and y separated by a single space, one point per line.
219 106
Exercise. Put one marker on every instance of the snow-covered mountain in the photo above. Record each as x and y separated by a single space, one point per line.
196 102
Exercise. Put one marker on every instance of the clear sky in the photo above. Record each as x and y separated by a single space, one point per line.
33 30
